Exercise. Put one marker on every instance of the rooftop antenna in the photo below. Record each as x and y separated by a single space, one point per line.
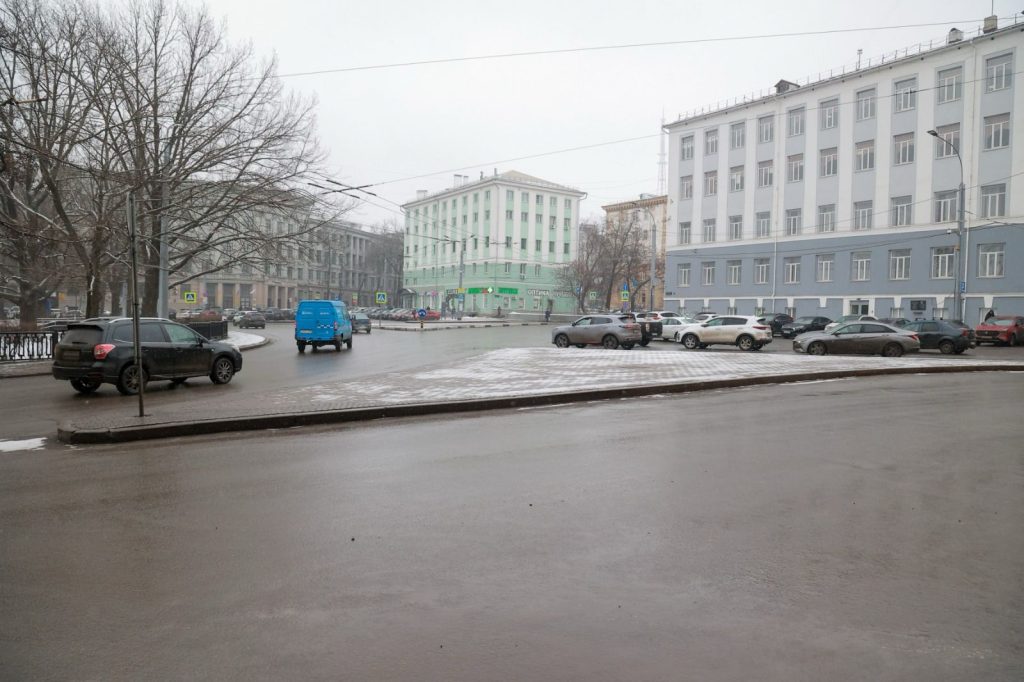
859 53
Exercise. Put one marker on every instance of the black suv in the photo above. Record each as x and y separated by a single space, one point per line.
101 350
947 337
776 320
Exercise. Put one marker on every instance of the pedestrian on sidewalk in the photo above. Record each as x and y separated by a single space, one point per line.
547 315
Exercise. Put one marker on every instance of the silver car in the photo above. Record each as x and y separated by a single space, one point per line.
869 338
611 331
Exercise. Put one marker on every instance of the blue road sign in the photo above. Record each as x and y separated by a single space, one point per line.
421 313
963 286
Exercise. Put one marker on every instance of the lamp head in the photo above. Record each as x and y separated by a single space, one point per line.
933 133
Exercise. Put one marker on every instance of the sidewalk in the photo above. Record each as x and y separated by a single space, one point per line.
514 377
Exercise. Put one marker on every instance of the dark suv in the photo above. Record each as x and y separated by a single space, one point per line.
776 320
101 350
947 338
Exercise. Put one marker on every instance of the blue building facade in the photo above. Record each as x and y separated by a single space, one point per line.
842 195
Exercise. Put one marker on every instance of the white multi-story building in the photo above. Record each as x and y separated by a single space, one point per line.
507 234
841 195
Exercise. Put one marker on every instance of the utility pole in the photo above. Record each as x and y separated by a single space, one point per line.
136 345
161 299
462 271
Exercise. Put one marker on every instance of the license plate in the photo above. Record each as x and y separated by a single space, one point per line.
305 331
69 355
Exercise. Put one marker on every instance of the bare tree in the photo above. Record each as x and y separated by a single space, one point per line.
150 98
609 254
386 256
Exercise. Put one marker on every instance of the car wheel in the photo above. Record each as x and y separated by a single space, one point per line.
1013 339
892 350
946 347
337 346
85 386
817 348
301 346
629 346
128 381
223 370
562 341
758 346
690 341
644 341
745 342
348 344
610 342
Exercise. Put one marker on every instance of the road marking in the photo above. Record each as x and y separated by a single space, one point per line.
16 445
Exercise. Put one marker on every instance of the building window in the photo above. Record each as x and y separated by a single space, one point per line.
738 135
823 267
711 183
829 114
524 217
945 206
827 218
766 129
998 72
795 168
707 270
536 244
990 260
862 215
686 148
540 201
899 264
565 248
829 162
761 267
997 131
522 243
736 179
709 230
686 187
765 174
866 104
711 142
993 201
508 215
763 225
733 270
791 270
684 233
942 262
553 204
950 85
522 270
565 223
508 268
794 220
860 266
795 122
864 156
510 196
902 211
903 149
539 218
905 95
947 141
551 247
735 227
683 274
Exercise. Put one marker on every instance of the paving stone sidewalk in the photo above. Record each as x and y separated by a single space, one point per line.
503 378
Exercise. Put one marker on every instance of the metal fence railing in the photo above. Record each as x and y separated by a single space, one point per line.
15 346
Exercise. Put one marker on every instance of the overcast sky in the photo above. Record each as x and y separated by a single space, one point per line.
382 125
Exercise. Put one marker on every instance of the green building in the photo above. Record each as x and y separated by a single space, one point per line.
506 235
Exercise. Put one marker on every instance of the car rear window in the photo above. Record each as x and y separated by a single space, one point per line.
82 336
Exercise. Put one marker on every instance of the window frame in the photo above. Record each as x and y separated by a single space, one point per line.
991 261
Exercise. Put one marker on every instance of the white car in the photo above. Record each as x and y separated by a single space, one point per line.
849 318
671 325
744 332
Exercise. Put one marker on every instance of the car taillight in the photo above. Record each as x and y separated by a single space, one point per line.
761 327
965 332
100 351
914 336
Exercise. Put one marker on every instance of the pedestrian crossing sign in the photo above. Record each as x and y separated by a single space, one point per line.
190 297
625 296
382 297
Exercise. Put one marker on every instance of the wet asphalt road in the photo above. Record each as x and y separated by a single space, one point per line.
853 529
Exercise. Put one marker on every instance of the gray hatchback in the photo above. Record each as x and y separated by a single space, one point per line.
611 331
866 338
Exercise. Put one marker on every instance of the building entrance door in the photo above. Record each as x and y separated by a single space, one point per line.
858 307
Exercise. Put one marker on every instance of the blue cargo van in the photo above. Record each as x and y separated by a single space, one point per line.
322 323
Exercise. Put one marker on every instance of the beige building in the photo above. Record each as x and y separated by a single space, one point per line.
650 212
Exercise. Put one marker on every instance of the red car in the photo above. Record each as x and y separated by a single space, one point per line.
1008 329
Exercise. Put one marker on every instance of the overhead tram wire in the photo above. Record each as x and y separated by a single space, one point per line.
625 46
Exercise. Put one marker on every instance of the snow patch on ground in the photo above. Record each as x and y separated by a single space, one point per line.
16 445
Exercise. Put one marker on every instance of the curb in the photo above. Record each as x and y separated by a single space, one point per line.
68 433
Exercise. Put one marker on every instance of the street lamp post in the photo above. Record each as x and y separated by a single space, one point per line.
958 285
